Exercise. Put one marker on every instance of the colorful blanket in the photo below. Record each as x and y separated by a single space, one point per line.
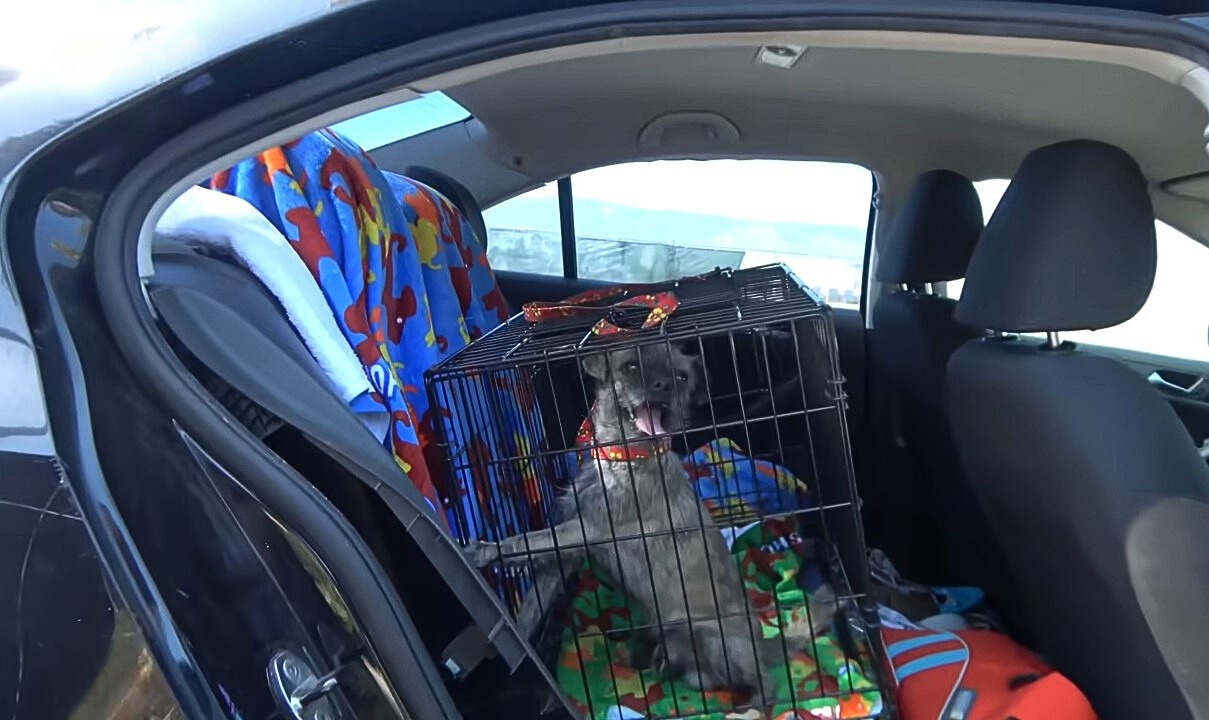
739 489
595 669
409 285
594 666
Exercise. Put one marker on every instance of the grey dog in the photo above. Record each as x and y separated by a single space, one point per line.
647 531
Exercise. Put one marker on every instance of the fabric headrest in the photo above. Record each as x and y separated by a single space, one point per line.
456 193
1070 247
934 234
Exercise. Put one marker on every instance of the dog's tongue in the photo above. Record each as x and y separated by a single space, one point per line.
649 419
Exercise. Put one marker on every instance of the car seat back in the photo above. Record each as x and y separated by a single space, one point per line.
1089 480
912 337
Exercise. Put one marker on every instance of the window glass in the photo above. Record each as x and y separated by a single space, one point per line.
1174 322
651 221
398 122
524 233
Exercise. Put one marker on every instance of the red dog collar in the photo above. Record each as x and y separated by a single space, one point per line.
636 450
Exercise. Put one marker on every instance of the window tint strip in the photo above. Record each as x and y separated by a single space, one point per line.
566 221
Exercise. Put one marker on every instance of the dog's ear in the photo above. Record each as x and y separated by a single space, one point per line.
596 365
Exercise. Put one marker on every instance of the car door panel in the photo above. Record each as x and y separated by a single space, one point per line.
237 579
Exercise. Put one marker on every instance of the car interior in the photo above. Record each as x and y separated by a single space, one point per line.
1024 376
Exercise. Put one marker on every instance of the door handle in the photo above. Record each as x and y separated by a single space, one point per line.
300 692
1185 384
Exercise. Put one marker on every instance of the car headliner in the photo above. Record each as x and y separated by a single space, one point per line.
897 102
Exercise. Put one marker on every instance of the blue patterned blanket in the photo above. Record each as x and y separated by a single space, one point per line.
408 284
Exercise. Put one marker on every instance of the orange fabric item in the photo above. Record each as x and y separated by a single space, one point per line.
996 679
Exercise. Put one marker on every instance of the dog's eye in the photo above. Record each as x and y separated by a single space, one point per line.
682 377
630 367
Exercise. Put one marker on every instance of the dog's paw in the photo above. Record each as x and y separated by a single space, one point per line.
481 554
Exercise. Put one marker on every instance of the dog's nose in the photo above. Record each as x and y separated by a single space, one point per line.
659 385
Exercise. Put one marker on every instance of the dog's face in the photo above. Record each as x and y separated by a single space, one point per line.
654 386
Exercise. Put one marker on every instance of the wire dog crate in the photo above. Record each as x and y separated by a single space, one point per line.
658 482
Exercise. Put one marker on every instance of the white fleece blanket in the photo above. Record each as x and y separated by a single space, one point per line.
224 222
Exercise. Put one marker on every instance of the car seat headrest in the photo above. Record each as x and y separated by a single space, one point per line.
456 193
1070 247
934 234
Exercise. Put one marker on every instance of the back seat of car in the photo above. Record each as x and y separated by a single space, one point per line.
229 330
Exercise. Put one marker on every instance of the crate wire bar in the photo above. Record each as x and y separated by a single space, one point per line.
768 403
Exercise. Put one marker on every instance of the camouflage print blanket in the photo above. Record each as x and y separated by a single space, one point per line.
596 672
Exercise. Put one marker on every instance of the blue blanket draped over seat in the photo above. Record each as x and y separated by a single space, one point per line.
408 284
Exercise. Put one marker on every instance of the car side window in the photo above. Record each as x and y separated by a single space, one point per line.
523 233
407 119
651 221
1175 319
